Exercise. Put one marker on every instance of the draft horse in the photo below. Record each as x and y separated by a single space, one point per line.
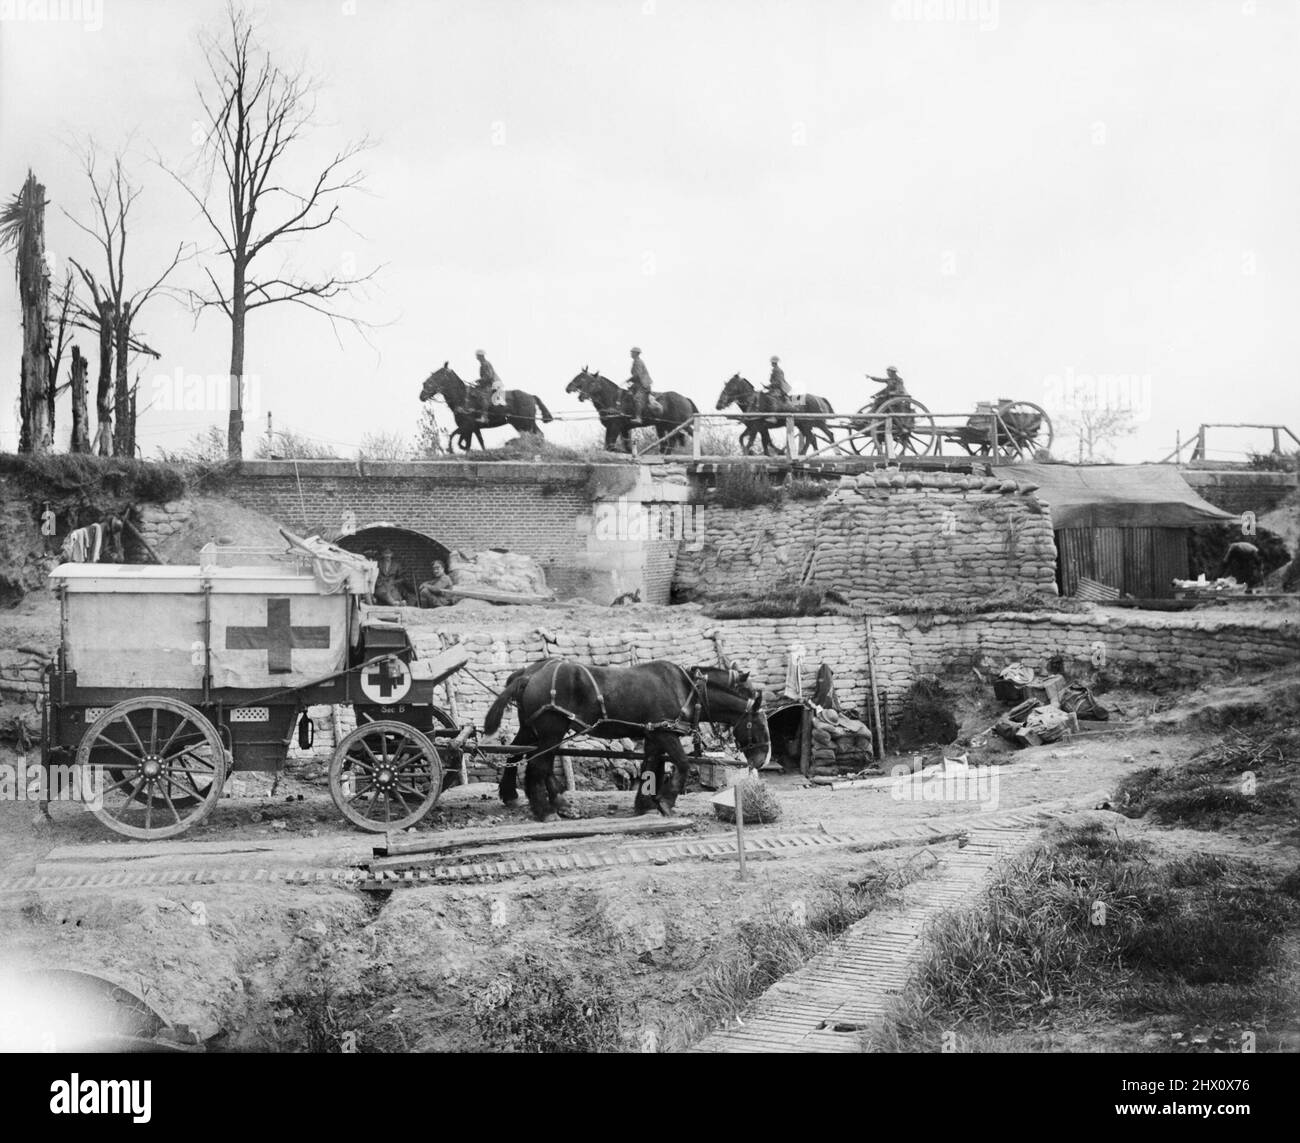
740 392
657 702
519 411
673 424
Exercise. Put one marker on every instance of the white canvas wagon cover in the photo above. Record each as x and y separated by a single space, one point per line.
141 626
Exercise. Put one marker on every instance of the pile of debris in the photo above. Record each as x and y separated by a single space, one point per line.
1046 708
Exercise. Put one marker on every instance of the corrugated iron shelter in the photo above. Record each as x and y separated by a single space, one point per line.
1126 526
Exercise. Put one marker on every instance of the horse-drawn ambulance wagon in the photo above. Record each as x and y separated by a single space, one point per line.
167 678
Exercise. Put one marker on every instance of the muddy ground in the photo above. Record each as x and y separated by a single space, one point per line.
427 968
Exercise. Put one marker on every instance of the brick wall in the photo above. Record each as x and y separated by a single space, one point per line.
1241 491
526 508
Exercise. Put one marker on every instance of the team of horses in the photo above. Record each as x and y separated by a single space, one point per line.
670 416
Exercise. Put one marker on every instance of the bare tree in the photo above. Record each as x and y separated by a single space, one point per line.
385 446
62 319
22 231
109 308
1096 428
287 444
256 114
428 434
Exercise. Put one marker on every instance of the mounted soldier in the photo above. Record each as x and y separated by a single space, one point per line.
893 387
639 386
777 386
491 390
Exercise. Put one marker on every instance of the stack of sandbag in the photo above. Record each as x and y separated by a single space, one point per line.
496 570
839 742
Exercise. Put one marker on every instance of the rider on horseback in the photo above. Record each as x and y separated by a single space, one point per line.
639 386
777 386
491 390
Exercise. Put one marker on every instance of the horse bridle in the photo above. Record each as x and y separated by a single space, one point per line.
699 680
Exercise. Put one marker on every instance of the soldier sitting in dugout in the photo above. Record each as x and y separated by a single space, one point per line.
436 592
389 585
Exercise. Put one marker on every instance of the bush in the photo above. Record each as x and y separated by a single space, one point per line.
1086 920
81 478
536 1007
745 486
809 489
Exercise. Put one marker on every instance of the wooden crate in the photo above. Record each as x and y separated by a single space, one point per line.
718 772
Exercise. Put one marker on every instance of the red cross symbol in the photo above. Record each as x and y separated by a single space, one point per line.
383 678
278 638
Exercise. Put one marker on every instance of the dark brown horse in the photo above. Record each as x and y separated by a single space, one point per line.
741 393
673 423
658 702
519 411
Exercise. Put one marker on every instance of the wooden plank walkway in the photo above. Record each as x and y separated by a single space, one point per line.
849 988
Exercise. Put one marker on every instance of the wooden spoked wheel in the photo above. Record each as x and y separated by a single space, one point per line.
152 767
385 775
1025 430
911 428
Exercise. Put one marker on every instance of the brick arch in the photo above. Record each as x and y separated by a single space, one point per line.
414 551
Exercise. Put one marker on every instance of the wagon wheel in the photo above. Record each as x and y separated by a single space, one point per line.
1024 428
385 775
911 427
438 719
156 764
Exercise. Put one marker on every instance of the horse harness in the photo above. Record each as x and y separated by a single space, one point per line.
687 720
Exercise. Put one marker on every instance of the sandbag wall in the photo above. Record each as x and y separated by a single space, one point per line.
884 540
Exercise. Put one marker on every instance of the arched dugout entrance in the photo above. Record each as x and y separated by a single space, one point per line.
414 552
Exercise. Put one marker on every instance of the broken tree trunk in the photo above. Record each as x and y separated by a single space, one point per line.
104 392
34 298
80 425
122 429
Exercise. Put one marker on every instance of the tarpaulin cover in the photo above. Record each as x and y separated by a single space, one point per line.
156 641
1116 495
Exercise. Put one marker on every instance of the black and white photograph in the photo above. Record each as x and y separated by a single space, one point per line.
602 527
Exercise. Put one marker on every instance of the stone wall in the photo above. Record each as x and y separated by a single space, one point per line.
883 540
22 674
158 522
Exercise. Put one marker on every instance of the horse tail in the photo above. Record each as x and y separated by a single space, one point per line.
546 413
512 692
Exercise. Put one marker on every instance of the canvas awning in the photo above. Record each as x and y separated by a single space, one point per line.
1116 495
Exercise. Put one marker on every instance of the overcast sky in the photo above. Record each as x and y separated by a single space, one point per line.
995 197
